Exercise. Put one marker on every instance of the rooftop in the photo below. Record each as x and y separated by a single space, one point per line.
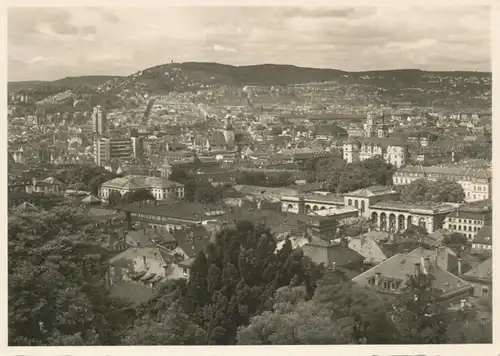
433 208
132 182
373 191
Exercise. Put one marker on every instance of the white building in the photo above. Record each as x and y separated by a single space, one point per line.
161 188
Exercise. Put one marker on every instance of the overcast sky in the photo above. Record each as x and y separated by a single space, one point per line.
51 43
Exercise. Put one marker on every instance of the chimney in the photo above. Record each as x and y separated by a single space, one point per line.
378 276
417 268
459 266
334 264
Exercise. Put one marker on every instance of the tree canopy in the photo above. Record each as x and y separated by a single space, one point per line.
442 190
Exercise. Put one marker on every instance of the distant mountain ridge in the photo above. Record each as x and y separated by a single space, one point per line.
90 80
259 74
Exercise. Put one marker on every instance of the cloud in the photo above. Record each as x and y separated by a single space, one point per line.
349 38
219 48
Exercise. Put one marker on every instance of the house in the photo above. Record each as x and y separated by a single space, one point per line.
483 241
367 248
470 218
161 188
390 276
150 236
332 254
144 266
191 241
481 277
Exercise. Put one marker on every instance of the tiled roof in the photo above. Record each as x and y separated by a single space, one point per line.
402 206
484 236
372 191
456 171
129 255
367 248
322 252
483 270
401 265
132 182
193 240
182 210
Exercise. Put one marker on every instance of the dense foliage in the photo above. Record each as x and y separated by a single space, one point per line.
239 292
341 177
442 190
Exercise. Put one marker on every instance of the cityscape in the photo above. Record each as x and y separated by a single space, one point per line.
164 200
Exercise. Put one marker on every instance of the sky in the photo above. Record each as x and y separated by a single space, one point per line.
52 43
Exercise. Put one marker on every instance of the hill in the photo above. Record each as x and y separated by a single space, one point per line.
64 83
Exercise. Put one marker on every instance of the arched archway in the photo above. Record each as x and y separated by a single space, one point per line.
422 223
322 208
374 217
349 202
308 208
383 221
289 207
315 208
356 204
363 206
409 221
401 222
392 222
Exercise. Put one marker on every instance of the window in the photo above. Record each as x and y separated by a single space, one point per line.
459 227
393 286
485 292
185 272
385 285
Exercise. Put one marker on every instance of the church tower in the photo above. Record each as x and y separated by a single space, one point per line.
229 135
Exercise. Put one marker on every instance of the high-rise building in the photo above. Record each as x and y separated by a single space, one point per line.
99 120
107 149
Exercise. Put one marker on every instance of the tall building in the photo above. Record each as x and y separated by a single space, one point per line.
99 120
229 135
107 149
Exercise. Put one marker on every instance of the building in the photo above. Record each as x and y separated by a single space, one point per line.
161 188
107 149
481 277
306 203
483 240
390 276
99 120
394 216
171 215
362 199
376 143
476 183
332 255
469 219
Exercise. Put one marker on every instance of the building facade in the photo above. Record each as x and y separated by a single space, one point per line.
107 149
161 188
396 216
476 183
468 220
99 120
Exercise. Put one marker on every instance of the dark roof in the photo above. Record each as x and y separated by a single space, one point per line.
193 240
321 251
182 210
483 270
484 236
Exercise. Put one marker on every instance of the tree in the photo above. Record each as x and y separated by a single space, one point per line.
57 294
114 198
138 195
378 170
442 190
419 316
355 226
457 242
237 278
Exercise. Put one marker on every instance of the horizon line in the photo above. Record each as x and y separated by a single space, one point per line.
249 65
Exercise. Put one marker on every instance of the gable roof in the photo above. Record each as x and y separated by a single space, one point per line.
483 270
373 191
367 248
129 255
484 236
399 266
320 251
